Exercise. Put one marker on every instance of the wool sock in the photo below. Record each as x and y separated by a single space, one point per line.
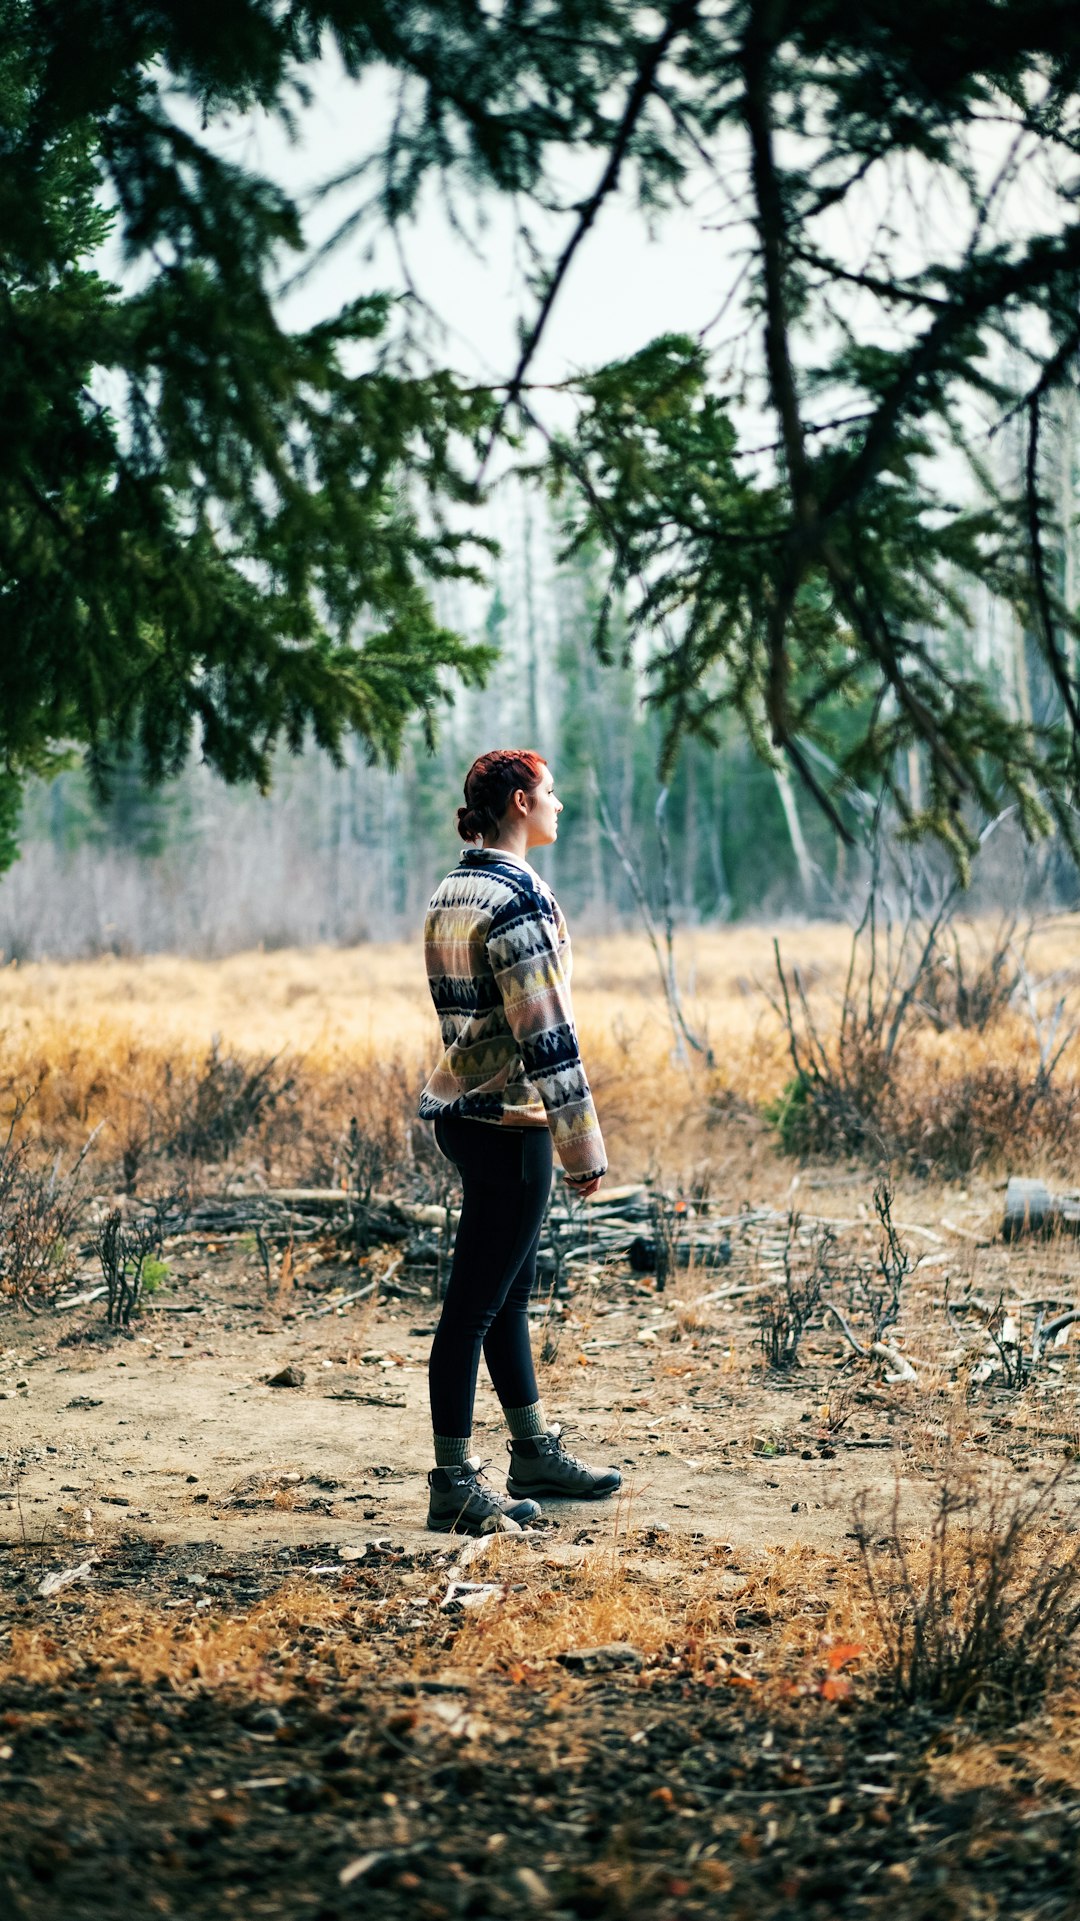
526 1423
452 1450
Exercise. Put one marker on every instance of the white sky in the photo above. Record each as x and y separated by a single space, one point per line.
623 288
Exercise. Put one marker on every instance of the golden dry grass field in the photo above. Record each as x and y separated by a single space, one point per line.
95 1035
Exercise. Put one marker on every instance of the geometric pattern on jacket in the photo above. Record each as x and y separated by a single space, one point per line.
498 963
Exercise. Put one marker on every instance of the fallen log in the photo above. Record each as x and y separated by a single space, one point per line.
1030 1208
314 1200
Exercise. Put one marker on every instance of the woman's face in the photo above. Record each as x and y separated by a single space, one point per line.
544 812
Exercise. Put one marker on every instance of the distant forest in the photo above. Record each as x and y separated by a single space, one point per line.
350 853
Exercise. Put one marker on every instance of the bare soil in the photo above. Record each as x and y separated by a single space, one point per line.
171 1426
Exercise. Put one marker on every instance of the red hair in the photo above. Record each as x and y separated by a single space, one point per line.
490 782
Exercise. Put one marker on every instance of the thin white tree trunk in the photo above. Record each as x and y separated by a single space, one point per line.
1067 510
795 833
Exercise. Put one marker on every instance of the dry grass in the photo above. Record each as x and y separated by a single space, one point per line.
978 1617
792 1627
266 1651
681 1604
261 1064
677 1605
352 1032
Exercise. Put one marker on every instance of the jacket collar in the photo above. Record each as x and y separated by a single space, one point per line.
498 853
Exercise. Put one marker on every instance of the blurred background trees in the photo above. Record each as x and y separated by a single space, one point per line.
352 852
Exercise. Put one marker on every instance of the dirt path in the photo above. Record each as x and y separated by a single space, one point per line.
173 1430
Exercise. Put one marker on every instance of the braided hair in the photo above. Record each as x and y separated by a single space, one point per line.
489 784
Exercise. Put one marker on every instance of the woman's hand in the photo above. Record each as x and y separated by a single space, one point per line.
583 1188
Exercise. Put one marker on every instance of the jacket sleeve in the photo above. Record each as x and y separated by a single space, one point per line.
526 956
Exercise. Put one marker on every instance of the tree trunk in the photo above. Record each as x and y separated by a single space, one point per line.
795 833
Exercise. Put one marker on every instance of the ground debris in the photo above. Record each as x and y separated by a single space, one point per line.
602 1660
469 1594
374 1552
289 1376
65 1577
390 1774
367 1865
532 1887
362 1400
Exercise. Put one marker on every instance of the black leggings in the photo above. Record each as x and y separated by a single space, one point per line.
506 1179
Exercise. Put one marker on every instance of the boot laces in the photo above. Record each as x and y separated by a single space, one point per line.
472 1480
555 1434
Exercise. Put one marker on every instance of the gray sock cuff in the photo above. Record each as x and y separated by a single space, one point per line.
452 1450
526 1423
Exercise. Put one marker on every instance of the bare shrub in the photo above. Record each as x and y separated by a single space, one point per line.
837 1100
666 1218
1010 1364
880 1286
832 1106
1001 1332
863 1083
127 1251
862 1087
875 1293
207 1113
39 1202
950 1126
370 1158
170 1114
782 1317
433 1177
969 983
981 1614
136 1128
932 1124
352 1126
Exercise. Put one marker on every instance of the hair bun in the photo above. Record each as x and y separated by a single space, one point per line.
473 822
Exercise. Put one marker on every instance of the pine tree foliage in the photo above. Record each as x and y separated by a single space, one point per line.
832 561
200 510
209 525
901 200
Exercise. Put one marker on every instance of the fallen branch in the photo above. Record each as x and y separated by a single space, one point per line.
364 1400
902 1369
846 1328
877 1350
80 1300
1042 1335
348 1300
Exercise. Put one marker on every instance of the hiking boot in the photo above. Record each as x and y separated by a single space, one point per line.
541 1466
461 1502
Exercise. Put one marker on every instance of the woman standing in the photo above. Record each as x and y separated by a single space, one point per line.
509 1084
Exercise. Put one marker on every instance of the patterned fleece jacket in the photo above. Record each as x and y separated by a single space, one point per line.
498 965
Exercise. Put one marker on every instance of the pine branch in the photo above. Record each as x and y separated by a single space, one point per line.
679 21
884 289
766 21
765 24
990 285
